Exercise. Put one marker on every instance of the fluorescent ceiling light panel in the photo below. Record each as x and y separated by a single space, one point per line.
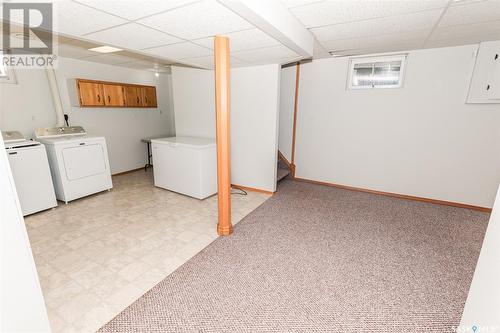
105 49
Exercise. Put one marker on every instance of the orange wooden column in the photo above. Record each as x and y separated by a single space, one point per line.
224 227
295 107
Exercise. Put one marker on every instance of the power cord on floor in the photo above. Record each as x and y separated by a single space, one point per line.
238 191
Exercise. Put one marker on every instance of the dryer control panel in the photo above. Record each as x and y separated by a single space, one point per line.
50 132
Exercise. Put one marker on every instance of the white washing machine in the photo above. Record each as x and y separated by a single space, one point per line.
78 162
30 168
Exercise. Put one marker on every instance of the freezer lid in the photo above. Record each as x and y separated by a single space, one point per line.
186 141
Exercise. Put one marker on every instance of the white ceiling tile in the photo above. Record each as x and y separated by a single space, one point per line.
465 40
179 51
208 61
133 36
205 62
270 54
199 20
341 11
72 51
467 32
133 9
373 27
297 3
463 2
474 12
413 39
76 19
110 58
146 65
140 64
242 40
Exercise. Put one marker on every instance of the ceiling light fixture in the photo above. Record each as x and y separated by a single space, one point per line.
157 73
105 49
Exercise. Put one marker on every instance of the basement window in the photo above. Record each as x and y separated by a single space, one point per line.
376 72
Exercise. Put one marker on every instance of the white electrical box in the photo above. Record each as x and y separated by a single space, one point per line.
185 165
485 83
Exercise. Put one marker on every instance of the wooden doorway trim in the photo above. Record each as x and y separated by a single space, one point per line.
222 94
295 107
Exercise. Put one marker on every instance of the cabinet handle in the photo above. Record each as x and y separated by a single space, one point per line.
146 100
137 100
109 99
98 98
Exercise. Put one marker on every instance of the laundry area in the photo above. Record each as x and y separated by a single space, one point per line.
116 191
99 240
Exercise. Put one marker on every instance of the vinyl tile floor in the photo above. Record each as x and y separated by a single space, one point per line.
98 254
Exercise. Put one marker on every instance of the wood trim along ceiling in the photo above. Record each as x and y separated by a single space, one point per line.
396 195
223 130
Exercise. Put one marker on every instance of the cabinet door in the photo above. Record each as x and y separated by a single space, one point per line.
91 93
132 96
149 97
113 95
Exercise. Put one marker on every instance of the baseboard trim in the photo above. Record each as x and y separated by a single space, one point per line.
396 195
127 172
246 188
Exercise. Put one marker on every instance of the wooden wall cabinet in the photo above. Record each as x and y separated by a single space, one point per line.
90 93
148 95
113 95
132 97
93 93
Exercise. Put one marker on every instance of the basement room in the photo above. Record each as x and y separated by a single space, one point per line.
250 166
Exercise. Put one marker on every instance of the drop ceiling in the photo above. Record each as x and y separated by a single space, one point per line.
158 33
175 31
371 26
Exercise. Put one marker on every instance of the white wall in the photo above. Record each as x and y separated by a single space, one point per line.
254 118
421 139
254 126
194 102
482 307
287 103
22 308
29 105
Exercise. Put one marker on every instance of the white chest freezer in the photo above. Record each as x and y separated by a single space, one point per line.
185 165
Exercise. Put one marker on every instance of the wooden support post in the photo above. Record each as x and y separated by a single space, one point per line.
295 107
224 227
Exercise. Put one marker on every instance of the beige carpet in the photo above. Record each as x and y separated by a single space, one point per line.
320 259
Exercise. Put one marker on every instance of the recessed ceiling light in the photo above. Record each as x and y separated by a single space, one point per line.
105 49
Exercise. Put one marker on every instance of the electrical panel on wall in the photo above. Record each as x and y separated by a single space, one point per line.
485 83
